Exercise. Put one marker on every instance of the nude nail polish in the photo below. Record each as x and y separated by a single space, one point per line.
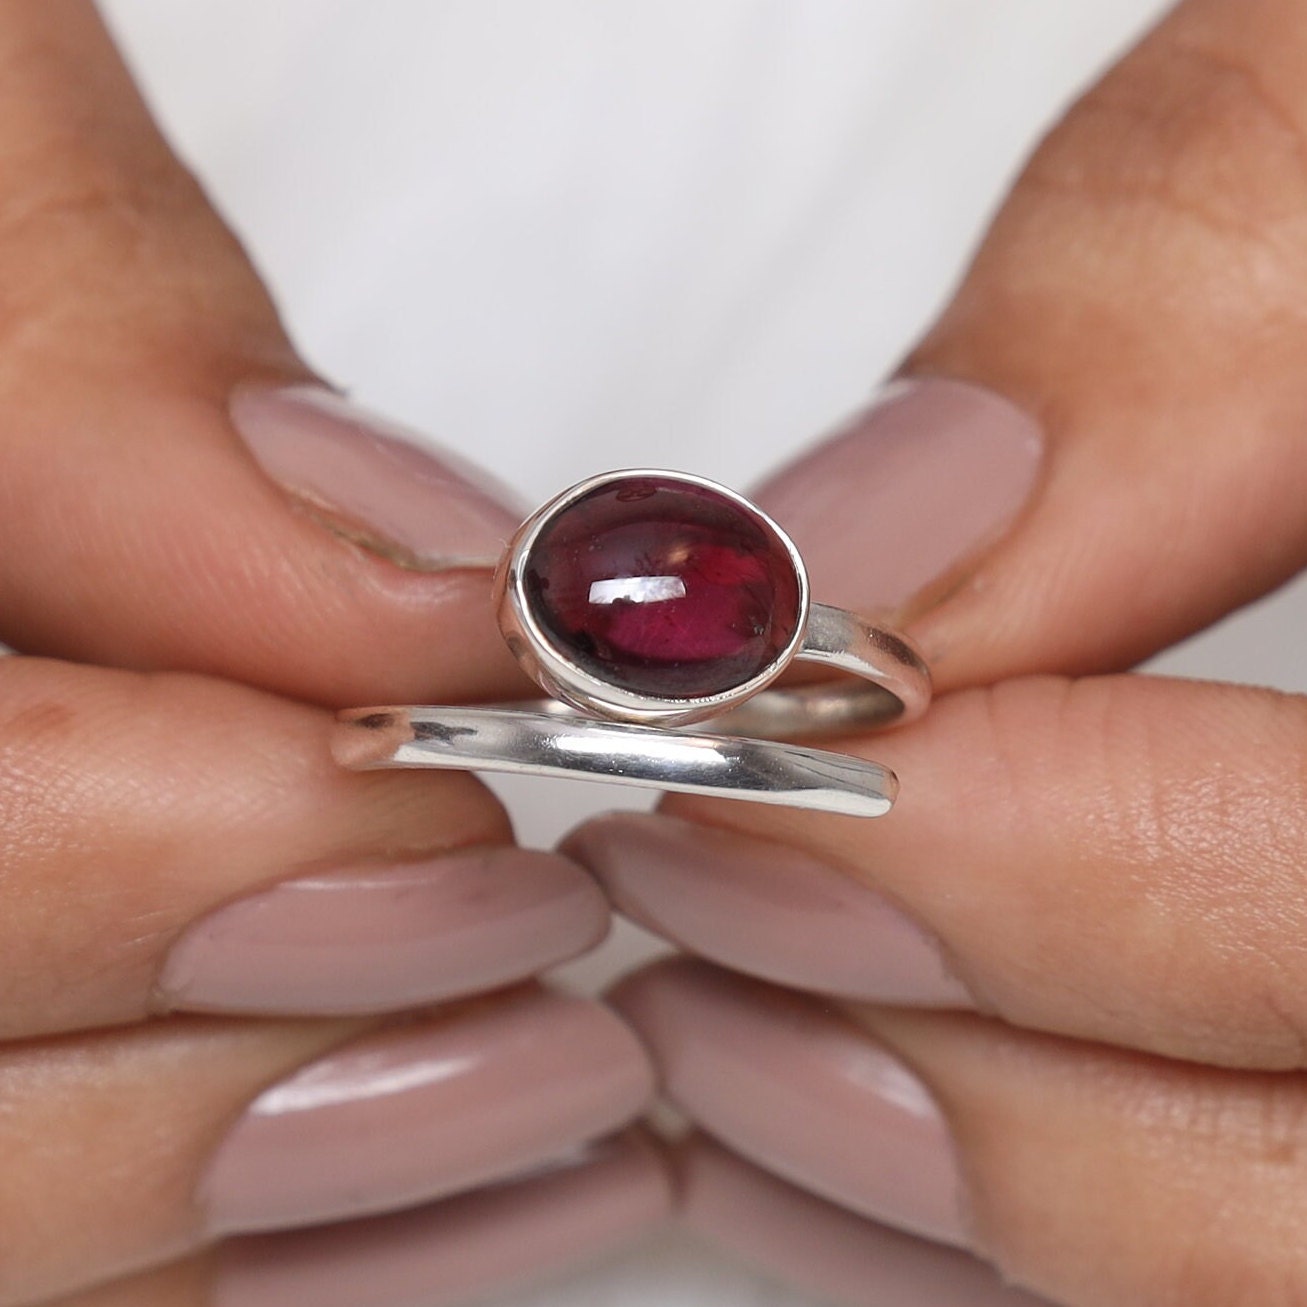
765 909
450 1252
375 482
427 1108
792 1085
930 473
822 1248
380 938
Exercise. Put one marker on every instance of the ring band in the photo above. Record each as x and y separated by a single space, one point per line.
644 602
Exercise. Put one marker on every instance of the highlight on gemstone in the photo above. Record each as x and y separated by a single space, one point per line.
663 587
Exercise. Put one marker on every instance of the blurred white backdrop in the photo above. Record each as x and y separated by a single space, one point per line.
568 236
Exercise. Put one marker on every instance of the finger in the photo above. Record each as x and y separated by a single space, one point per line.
174 494
1117 858
864 1134
1137 299
441 1255
1092 1176
135 1147
181 842
820 1247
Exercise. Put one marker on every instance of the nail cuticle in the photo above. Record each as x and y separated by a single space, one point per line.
372 483
360 536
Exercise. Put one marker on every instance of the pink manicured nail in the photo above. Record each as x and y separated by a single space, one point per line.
374 481
426 1109
381 938
824 1249
765 909
462 1248
934 470
795 1087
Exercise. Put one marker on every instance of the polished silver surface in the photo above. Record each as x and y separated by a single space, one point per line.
893 685
592 729
542 744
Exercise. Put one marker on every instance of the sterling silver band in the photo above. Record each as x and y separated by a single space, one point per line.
565 744
893 685
590 730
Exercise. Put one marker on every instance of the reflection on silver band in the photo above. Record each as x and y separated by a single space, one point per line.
566 744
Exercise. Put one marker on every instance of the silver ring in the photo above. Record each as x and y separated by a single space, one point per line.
644 602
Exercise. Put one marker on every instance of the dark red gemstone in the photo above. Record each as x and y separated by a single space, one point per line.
663 587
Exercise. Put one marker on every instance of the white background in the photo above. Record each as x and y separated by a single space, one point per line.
569 235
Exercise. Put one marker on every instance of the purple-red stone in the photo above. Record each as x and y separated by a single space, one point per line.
663 587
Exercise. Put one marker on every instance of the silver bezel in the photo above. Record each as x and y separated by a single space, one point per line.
559 676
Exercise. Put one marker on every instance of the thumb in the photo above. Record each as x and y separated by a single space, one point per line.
1099 449
175 491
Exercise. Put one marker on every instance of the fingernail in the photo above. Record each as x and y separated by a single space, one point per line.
824 1249
382 938
793 1086
764 909
462 1248
934 470
426 1109
375 482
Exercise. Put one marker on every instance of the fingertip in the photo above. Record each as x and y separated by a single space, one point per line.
171 549
888 508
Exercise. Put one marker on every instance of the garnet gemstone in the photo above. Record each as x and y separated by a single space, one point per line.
663 587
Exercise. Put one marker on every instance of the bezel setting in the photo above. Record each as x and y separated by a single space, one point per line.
542 657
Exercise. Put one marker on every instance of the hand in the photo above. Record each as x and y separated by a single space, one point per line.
1059 996
220 549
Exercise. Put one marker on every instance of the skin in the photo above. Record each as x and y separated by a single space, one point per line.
1114 864
125 289
164 742
1143 303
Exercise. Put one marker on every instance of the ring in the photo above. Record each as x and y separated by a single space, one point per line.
643 602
